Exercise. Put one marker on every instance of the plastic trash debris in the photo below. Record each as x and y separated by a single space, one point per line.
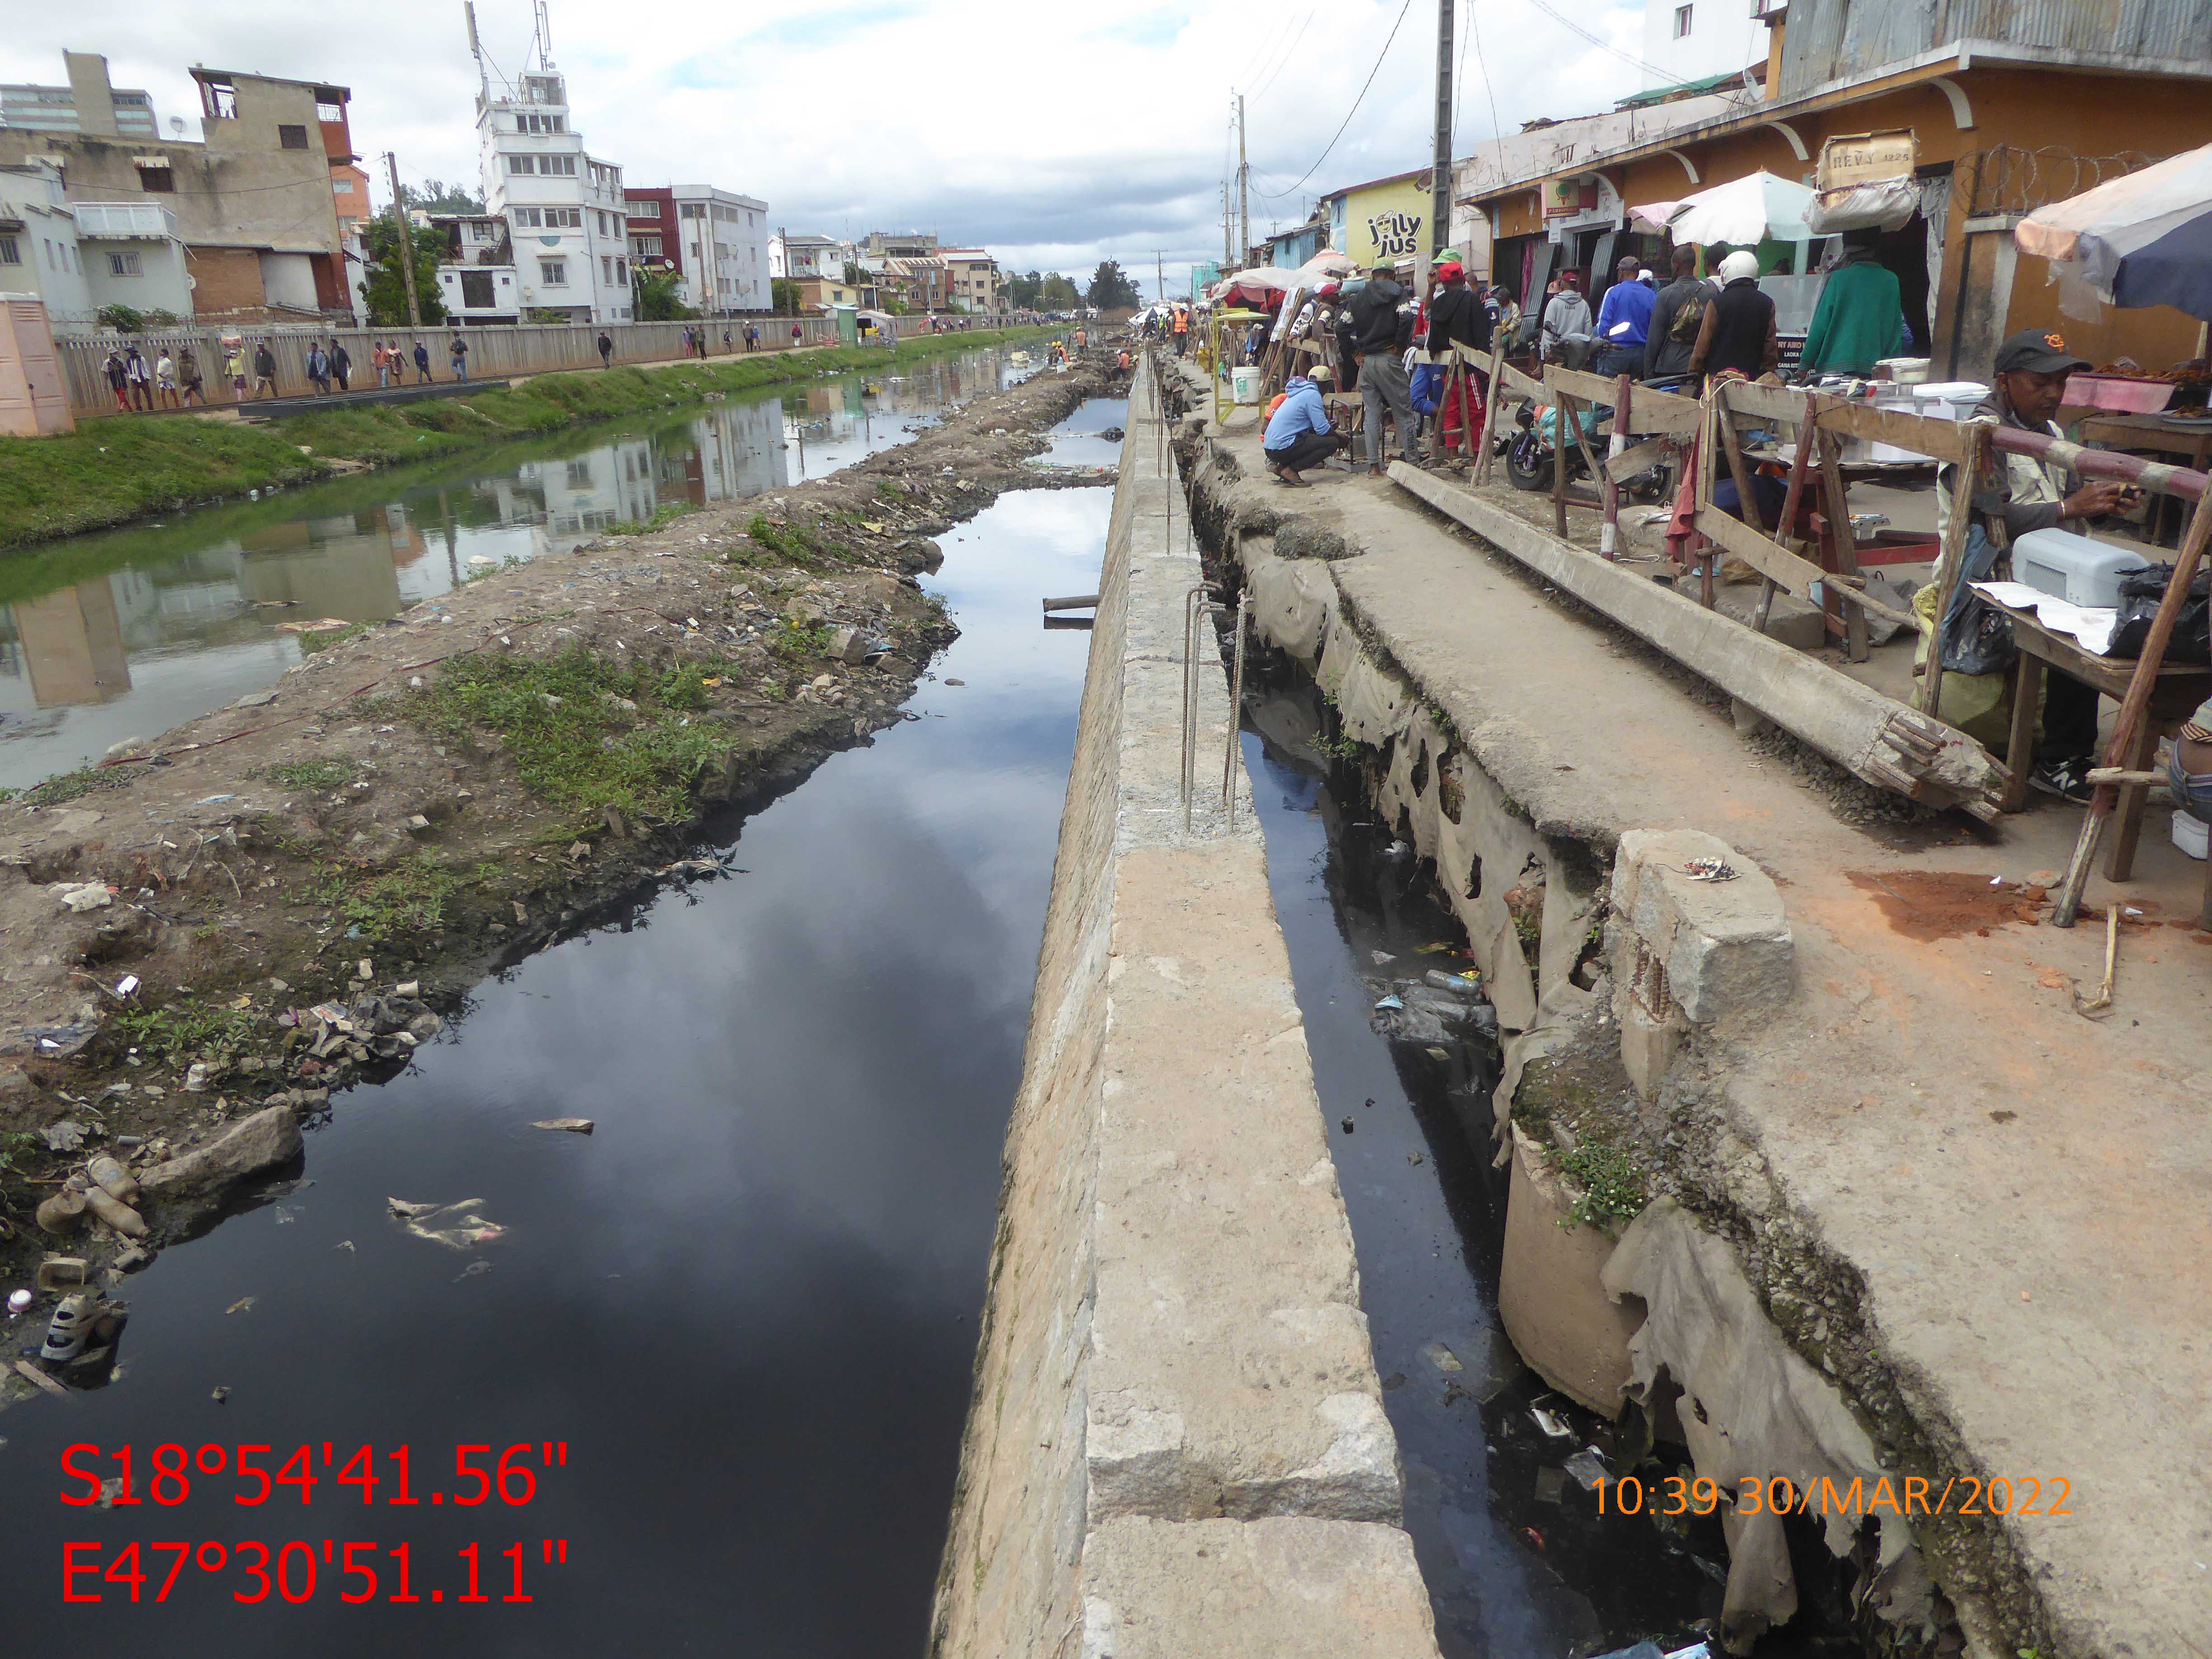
1552 1425
126 985
1469 984
345 1244
65 1136
215 800
1550 1483
1431 950
196 1080
1348 1125
473 1270
115 1213
60 1213
71 1327
462 1229
83 896
56 1271
1443 1358
219 1395
244 1304
61 1041
1392 1001
1381 958
575 1126
1587 1467
1709 870
108 1173
19 1302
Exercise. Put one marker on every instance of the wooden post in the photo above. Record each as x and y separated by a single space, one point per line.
1847 549
1801 468
1491 406
1608 535
2133 710
1952 555
1562 408
1747 509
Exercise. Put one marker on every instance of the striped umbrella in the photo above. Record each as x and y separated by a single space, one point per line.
2143 240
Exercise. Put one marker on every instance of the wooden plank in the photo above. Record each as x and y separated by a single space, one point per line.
1794 575
1766 402
1641 458
1953 550
1944 440
1565 406
1485 458
1746 503
1514 381
1654 411
1839 531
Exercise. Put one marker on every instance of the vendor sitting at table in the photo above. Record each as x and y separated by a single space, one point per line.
2022 492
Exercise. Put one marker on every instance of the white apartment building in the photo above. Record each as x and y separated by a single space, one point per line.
1690 41
808 258
564 209
723 241
78 256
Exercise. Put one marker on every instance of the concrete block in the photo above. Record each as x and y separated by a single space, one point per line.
1279 1589
1550 1297
1725 946
1648 1042
1791 621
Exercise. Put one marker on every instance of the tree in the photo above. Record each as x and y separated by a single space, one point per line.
854 276
1111 289
1057 293
436 195
1022 290
387 290
785 297
659 299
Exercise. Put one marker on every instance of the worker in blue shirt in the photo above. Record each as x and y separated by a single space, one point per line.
1624 321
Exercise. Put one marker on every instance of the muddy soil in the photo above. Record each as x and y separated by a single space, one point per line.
284 898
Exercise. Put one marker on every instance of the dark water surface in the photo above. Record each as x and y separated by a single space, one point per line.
126 633
747 1303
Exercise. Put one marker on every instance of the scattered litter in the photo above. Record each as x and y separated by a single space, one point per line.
126 985
18 1302
473 1270
1413 1157
575 1126
1392 1001
56 1271
61 1041
1443 1358
1709 870
1431 950
1535 1538
244 1304
59 1212
322 625
115 1213
83 896
255 700
219 1395
345 1244
216 800
463 1229
955 682
1381 958
1587 1467
284 1217
114 1177
197 1077
1469 984
65 1136
1552 1425
1348 1125
1550 1483
53 1387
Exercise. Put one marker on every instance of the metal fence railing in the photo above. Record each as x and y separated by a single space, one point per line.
495 353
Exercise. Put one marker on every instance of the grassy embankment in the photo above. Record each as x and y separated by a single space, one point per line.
113 470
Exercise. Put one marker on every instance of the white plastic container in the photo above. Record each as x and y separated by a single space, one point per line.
2076 568
1949 400
1244 384
2189 834
1905 371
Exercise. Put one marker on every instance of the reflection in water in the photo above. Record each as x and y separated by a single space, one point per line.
194 616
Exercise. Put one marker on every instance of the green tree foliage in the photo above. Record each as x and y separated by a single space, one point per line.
387 289
436 195
1022 290
1110 287
1057 293
785 298
657 300
854 276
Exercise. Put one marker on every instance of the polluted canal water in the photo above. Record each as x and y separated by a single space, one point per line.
729 1332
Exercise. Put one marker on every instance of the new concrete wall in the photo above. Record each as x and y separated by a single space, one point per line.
1176 1443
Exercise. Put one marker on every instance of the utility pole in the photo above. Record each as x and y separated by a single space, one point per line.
1244 182
406 243
1440 188
1227 258
1160 273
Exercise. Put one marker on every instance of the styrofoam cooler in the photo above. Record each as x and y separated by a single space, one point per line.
1244 384
1949 400
2189 834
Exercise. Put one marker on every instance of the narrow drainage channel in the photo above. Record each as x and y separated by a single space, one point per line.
1519 1562
747 1303
125 633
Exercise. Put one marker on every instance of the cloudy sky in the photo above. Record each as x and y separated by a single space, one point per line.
1056 136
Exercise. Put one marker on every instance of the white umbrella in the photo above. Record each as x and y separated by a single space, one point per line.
1261 278
1326 266
2144 238
1743 213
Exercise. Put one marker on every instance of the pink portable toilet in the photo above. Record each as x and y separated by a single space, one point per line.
33 394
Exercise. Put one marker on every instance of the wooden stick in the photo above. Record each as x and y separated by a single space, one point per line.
35 1375
1608 535
2133 708
1482 460
1847 549
1703 500
1563 409
2120 775
1746 508
1952 555
2104 998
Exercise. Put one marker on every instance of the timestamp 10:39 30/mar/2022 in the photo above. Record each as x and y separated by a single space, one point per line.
481 1472
1902 1495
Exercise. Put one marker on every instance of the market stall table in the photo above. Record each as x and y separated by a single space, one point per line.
2188 442
2180 688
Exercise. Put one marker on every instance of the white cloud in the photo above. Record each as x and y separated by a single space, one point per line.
1054 136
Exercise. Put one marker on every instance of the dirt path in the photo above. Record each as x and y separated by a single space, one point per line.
278 899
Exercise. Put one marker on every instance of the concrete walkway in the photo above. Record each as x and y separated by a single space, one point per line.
2020 1192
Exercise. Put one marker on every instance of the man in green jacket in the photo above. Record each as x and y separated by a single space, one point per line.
1861 316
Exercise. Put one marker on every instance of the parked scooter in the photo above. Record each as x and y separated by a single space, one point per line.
1528 449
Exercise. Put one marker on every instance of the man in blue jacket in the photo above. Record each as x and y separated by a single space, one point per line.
1298 434
1623 322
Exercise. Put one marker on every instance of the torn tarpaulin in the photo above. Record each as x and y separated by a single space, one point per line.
1752 1409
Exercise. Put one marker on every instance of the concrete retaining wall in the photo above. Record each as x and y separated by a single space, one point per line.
1176 1443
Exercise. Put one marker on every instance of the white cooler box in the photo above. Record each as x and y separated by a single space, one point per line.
2076 568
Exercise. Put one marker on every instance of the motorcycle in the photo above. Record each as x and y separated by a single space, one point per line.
1528 450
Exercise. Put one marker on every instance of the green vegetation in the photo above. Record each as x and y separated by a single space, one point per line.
387 284
664 515
70 786
411 897
318 776
1612 1191
657 301
562 721
111 470
186 1029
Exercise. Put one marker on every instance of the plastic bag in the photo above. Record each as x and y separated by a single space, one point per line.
2141 592
1976 636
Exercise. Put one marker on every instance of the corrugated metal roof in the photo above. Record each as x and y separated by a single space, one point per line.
1829 40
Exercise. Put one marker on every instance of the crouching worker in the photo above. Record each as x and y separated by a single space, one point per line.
1298 434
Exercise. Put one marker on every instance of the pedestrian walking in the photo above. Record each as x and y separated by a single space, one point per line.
165 381
319 368
460 354
380 360
752 337
725 339
699 343
606 350
188 376
264 368
1381 329
142 377
234 365
422 364
118 380
795 336
342 365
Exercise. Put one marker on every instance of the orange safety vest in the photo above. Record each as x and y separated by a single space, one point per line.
1182 322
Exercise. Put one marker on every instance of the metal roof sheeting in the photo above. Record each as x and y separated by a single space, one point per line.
1828 40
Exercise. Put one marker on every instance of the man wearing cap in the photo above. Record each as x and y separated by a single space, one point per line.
2021 494
1457 317
1298 434
1623 322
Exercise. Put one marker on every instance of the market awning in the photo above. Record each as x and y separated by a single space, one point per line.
2143 240
1743 213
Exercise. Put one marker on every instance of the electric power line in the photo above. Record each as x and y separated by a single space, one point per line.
1353 111
1482 63
1285 59
1602 43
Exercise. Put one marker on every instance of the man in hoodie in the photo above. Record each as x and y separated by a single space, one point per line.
1298 434
1567 324
1457 317
1380 335
1860 317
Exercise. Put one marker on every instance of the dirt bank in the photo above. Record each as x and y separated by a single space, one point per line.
286 896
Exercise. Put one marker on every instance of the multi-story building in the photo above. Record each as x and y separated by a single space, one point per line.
77 107
973 276
715 242
924 284
476 276
803 258
901 245
253 204
564 209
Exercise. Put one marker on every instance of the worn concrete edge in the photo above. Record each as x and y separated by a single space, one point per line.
1074 1351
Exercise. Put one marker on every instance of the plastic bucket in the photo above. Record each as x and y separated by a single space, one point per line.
1244 384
